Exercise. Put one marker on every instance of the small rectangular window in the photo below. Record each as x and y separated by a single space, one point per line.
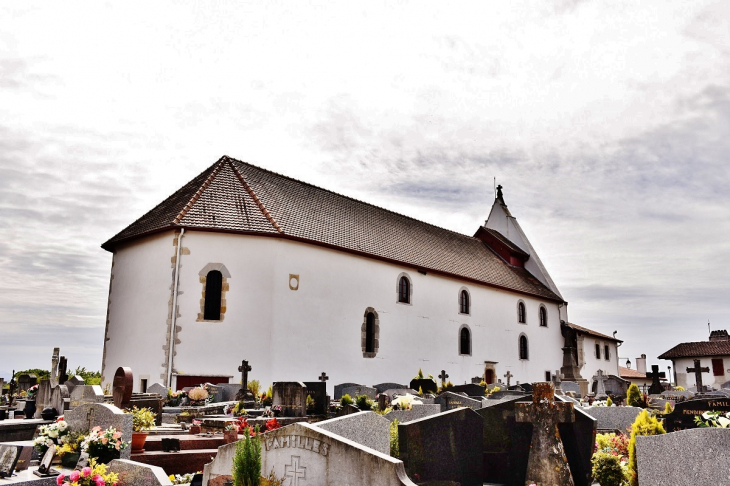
607 353
718 368
548 376
143 385
598 351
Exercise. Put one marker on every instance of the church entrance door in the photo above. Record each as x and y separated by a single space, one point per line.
489 376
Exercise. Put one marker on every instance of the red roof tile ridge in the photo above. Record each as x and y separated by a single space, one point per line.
198 193
253 195
591 331
350 198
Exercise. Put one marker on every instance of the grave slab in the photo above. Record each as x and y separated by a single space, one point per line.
82 394
291 396
416 412
158 388
368 429
131 472
338 389
382 387
450 401
356 391
613 418
695 456
304 454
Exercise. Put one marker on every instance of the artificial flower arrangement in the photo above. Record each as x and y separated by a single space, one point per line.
32 392
174 397
713 419
198 396
71 444
243 426
103 443
52 434
93 475
182 478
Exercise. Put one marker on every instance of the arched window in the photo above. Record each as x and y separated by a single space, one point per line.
524 349
465 341
370 333
213 287
464 302
521 312
404 290
543 316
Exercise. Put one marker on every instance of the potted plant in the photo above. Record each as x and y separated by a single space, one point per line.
143 419
196 428
230 434
198 396
277 410
69 450
104 445
49 435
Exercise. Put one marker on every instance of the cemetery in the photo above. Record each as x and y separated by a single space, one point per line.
293 433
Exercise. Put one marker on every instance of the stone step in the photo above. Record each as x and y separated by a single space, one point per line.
188 442
183 462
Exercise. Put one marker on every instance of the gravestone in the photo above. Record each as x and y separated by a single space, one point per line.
443 447
122 386
677 395
509 376
90 415
244 394
612 419
347 410
416 412
318 391
157 388
26 380
476 380
428 385
8 458
684 413
368 429
656 387
44 468
85 394
557 379
62 367
399 392
54 368
599 388
688 457
304 454
60 399
506 443
25 454
215 393
451 401
73 382
471 390
43 397
547 462
131 472
356 391
292 397
383 387
616 386
570 387
697 370
338 389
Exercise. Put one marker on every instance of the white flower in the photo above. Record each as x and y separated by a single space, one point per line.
53 433
723 422
62 425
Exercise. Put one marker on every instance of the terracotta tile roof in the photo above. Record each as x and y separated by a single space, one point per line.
593 333
702 348
511 246
628 373
234 196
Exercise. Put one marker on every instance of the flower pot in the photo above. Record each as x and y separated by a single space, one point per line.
276 413
29 409
70 459
230 436
195 429
138 440
103 455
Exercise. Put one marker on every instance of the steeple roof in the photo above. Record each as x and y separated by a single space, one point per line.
233 196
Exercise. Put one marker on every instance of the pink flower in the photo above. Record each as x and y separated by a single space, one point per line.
104 440
117 435
118 444
74 476
59 479
86 471
96 429
99 480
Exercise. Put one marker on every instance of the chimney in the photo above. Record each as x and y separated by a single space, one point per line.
719 336
641 364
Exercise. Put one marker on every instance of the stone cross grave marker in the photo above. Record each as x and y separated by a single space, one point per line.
547 462
54 367
323 377
656 387
244 393
62 370
557 381
697 370
600 381
122 386
509 376
443 376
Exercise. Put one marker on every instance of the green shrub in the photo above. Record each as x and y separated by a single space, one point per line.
254 387
419 376
143 419
364 403
609 402
668 408
643 425
310 404
634 398
607 470
247 461
346 400
394 450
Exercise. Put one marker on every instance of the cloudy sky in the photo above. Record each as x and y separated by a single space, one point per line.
608 124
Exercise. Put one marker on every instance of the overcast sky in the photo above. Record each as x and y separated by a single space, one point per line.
607 123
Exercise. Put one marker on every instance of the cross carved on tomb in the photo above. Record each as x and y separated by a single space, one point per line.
509 376
443 376
697 370
244 369
323 377
294 472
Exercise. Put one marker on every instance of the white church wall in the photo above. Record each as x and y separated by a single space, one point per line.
138 306
687 379
592 363
297 334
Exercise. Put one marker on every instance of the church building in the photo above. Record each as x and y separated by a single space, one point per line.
243 263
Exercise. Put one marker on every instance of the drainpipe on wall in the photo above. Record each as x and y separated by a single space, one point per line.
176 281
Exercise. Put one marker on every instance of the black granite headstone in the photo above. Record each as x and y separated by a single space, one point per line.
318 391
472 390
684 413
427 385
450 401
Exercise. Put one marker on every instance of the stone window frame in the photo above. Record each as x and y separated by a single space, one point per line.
527 347
524 312
471 340
410 289
203 275
468 301
376 332
542 310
